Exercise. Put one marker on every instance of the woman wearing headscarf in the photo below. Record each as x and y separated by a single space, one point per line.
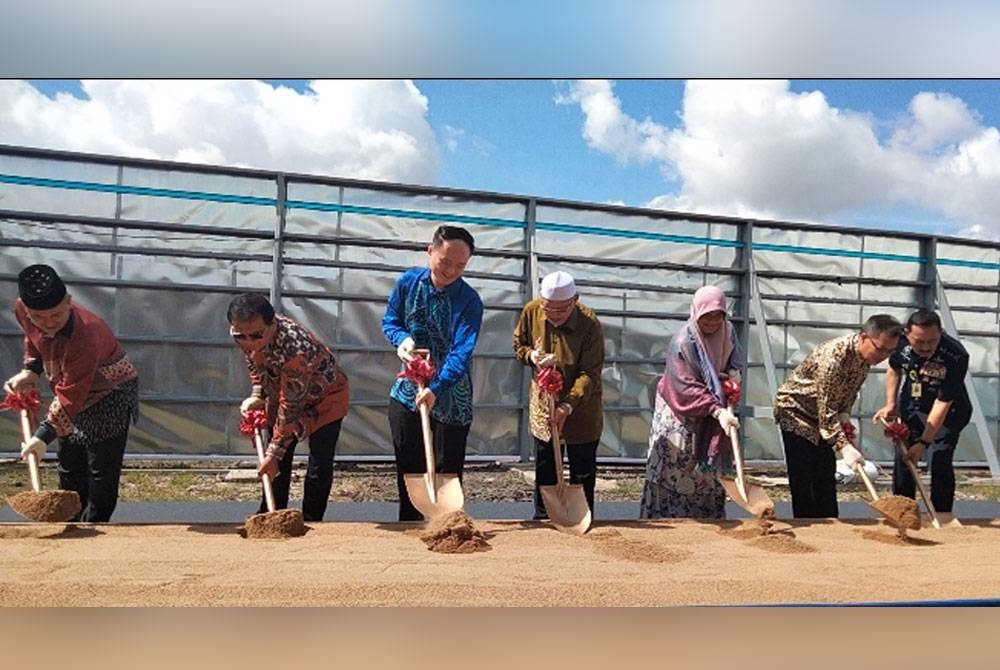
688 443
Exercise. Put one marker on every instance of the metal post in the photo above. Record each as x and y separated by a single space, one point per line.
929 274
765 346
279 242
531 290
978 418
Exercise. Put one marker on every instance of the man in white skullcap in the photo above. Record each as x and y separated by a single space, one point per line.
556 330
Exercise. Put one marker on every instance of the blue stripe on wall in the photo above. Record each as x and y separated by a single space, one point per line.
137 190
479 220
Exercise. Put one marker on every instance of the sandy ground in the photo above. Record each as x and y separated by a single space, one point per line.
621 563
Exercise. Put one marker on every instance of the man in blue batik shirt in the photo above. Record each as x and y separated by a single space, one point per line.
434 308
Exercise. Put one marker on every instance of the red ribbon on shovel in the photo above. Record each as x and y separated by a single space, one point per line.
24 400
849 431
732 389
418 370
898 431
255 419
550 381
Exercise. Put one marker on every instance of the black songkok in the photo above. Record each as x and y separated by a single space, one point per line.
40 287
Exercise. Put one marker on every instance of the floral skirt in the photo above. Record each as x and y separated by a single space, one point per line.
678 485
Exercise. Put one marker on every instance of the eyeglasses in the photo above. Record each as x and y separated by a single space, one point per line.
560 306
882 351
254 336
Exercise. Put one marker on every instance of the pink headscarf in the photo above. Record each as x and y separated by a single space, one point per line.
718 345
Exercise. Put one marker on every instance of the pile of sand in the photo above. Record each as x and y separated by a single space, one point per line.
275 525
57 505
454 533
612 543
764 534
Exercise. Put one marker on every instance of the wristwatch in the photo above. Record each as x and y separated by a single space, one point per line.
921 440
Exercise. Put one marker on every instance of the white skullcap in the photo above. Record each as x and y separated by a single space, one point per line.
558 285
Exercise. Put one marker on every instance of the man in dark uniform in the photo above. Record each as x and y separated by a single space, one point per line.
925 386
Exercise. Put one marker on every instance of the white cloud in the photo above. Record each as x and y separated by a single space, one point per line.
606 128
758 149
451 137
935 120
359 129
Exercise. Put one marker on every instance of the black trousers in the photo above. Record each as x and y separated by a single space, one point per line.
582 470
319 474
408 443
811 477
939 457
93 471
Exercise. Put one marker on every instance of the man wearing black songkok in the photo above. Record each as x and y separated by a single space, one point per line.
94 384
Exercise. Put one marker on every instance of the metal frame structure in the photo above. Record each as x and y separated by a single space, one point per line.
181 239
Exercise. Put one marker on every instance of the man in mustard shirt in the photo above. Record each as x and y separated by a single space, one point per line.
558 331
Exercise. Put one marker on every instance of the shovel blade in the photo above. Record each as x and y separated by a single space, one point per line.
900 511
567 507
757 502
437 497
46 506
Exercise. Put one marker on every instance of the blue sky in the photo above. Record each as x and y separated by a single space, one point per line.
921 155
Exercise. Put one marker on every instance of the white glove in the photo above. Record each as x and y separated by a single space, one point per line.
405 350
17 383
33 445
542 359
253 402
852 457
727 420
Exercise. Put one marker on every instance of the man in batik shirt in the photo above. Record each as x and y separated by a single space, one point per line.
813 406
433 308
296 380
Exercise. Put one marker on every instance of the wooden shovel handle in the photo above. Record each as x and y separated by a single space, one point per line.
860 469
27 431
556 440
425 429
905 454
258 443
428 437
738 461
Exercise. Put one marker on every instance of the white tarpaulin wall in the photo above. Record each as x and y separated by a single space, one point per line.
158 249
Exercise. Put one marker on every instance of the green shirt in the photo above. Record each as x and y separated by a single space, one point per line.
579 348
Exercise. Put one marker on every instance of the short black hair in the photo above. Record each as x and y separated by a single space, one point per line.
453 233
882 323
923 318
246 306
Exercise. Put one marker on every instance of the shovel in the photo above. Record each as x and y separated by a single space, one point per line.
433 494
900 511
916 478
565 503
39 505
258 443
750 497
274 523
